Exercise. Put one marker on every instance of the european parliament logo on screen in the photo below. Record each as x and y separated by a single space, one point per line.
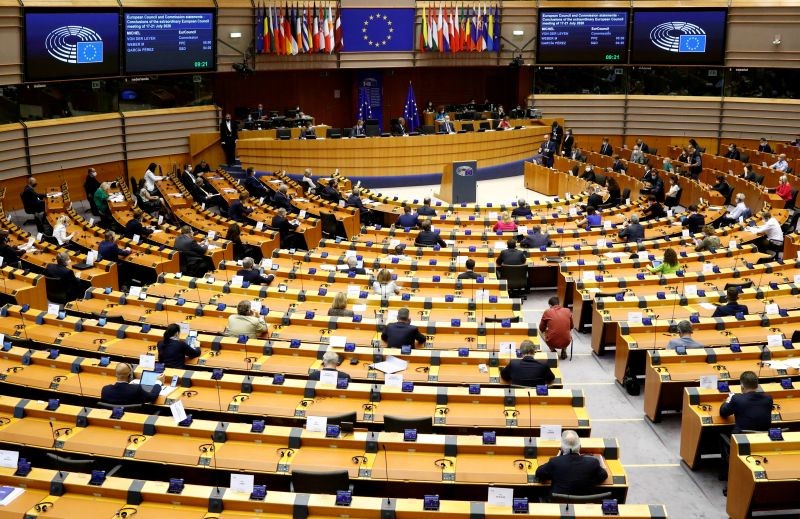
75 44
679 36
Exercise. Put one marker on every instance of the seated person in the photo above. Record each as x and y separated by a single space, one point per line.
245 322
399 127
505 223
123 392
592 218
339 306
752 409
308 131
407 219
253 275
172 351
673 193
469 273
571 472
240 249
709 241
505 123
771 231
722 187
446 126
282 199
669 263
653 211
352 266
108 249
747 173
330 361
66 276
428 238
763 146
194 261
633 231
354 200
307 182
60 233
637 156
733 153
287 229
511 255
426 209
732 306
685 331
740 210
784 189
402 332
595 199
134 226
523 210
238 212
11 255
330 192
253 185
781 164
694 221
527 371
536 239
384 285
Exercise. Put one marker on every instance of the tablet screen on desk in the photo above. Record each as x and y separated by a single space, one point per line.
149 379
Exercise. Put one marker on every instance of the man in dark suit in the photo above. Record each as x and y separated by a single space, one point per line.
633 232
352 266
588 174
470 272
547 151
446 126
427 237
733 153
354 200
238 212
511 255
752 409
578 155
426 209
202 167
330 193
135 227
308 132
556 135
228 135
605 148
523 210
694 221
253 186
643 147
122 392
527 371
66 276
330 361
763 146
407 219
570 472
108 249
536 239
194 261
653 211
31 200
402 332
732 306
282 200
399 127
290 238
695 161
253 275
594 199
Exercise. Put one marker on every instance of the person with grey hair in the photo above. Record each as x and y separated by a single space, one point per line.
572 473
308 183
633 232
330 361
253 275
245 322
527 371
402 333
66 276
685 331
281 198
523 210
287 229
352 266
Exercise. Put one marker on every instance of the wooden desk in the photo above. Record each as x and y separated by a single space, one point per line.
23 288
701 422
760 486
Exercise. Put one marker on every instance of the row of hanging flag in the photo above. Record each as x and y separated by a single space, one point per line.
293 29
460 29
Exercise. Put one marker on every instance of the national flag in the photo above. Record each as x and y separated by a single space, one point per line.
410 113
280 39
474 30
456 39
490 31
338 36
496 29
321 35
484 26
269 31
329 43
467 30
423 32
325 29
259 30
315 30
440 31
433 32
287 32
452 32
364 107
305 37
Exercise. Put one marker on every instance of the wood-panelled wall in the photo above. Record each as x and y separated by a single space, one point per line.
672 120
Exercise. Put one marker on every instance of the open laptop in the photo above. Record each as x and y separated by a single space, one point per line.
148 380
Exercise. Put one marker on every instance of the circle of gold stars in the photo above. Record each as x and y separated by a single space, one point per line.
378 43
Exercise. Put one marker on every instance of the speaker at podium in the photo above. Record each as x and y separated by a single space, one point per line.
459 182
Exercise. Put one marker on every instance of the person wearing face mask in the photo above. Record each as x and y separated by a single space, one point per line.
228 135
446 126
91 183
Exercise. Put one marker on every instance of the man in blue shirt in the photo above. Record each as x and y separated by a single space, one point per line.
407 219
685 339
108 249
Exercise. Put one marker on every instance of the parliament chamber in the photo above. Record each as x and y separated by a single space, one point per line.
255 277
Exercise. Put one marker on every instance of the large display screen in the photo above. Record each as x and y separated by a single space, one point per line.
583 36
71 44
169 41
679 36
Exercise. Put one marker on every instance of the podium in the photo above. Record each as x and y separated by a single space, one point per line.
459 182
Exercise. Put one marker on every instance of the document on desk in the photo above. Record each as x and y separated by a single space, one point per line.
707 306
9 494
391 365
500 496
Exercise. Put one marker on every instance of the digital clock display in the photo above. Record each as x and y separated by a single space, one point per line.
582 36
169 41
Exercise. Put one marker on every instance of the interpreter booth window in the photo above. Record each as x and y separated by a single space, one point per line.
763 82
676 81
68 99
579 80
146 93
9 104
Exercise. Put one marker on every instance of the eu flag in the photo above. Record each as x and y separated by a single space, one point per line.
90 52
377 29
692 43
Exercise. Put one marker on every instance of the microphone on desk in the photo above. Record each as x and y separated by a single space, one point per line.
530 415
386 474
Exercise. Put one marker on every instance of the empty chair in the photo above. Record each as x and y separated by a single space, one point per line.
56 290
283 134
320 482
792 201
333 133
517 278
468 127
626 194
339 418
428 129
397 424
